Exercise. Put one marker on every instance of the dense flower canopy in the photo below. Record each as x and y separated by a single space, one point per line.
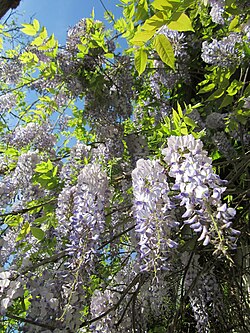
124 175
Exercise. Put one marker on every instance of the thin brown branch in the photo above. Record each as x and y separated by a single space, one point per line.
30 321
25 210
6 5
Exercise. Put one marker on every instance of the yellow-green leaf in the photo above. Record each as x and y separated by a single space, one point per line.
36 24
24 231
29 29
180 22
141 37
155 22
164 49
233 24
161 4
141 58
207 88
13 220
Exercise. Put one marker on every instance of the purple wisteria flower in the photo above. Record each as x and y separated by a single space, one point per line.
80 212
199 190
152 211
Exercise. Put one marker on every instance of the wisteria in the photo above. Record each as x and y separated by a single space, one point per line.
124 171
223 52
217 10
200 191
154 219
39 136
82 210
7 102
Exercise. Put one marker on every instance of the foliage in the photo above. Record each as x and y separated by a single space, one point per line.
125 176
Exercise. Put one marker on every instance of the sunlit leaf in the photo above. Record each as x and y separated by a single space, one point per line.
180 22
164 49
140 60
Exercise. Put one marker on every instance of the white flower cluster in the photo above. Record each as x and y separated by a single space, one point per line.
39 136
10 71
7 102
222 52
78 153
196 187
19 181
217 10
9 290
80 212
57 293
152 212
204 294
199 190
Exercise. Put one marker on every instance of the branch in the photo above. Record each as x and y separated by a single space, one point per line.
113 308
116 236
6 5
45 261
25 210
30 321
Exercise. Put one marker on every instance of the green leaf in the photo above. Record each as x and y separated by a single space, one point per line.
176 118
141 10
234 87
24 231
164 49
13 220
226 101
207 88
161 4
141 58
37 233
180 22
217 94
189 122
141 37
44 167
155 22
179 110
184 130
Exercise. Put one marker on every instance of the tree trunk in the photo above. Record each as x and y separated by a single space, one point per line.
6 5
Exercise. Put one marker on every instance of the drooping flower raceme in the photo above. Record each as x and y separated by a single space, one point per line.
222 52
86 220
217 10
199 190
152 211
38 135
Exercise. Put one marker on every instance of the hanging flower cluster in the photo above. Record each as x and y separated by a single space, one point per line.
224 52
152 208
81 215
196 187
199 189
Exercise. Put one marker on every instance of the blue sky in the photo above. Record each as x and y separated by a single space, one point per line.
58 15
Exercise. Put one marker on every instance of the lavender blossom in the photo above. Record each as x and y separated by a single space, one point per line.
200 190
7 102
152 211
81 215
217 10
223 52
40 136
